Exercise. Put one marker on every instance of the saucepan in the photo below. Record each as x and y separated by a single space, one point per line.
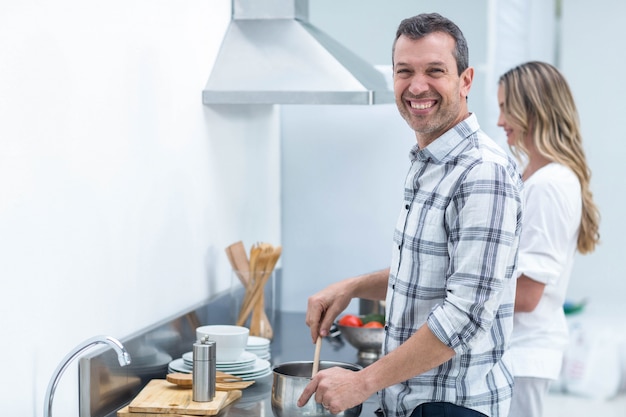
291 378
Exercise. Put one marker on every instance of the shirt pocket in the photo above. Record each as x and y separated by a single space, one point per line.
425 246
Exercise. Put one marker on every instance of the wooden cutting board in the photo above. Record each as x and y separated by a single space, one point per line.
160 397
125 412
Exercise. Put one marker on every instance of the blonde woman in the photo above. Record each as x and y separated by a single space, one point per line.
539 116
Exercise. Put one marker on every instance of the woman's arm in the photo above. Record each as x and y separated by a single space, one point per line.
528 294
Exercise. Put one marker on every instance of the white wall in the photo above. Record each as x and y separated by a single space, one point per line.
343 172
344 166
118 189
341 195
592 61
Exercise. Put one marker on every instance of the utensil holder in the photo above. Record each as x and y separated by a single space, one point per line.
242 290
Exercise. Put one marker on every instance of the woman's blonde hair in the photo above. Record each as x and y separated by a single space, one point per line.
538 100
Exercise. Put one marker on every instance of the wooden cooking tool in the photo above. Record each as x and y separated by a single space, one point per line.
221 383
255 252
230 386
224 377
316 356
238 259
231 396
186 380
180 379
266 263
259 323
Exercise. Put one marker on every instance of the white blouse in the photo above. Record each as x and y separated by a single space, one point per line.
552 213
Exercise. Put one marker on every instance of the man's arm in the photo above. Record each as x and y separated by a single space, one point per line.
324 306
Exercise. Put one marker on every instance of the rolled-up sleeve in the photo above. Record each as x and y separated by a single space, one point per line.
483 220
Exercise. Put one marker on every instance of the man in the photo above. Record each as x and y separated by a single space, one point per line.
449 291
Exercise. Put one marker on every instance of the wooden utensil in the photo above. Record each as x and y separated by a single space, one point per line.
223 382
259 322
316 356
230 386
255 252
180 379
186 380
262 264
224 377
238 259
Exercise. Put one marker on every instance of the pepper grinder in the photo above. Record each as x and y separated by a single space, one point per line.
203 379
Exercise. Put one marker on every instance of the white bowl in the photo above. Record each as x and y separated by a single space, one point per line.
230 341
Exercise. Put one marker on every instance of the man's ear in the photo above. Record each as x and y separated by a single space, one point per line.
466 81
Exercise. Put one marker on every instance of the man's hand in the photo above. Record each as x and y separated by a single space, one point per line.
324 307
337 389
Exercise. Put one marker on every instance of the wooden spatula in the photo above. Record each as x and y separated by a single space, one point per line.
316 356
223 381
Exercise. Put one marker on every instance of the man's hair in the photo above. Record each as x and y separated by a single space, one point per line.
424 24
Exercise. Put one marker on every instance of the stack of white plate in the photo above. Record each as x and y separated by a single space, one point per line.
260 346
179 365
248 366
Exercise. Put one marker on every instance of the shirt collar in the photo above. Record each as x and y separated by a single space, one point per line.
445 144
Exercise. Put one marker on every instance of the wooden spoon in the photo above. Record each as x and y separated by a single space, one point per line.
255 251
316 356
238 259
262 270
259 323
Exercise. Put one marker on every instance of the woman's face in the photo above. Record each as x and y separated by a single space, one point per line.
511 130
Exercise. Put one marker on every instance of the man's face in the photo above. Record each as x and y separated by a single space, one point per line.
430 94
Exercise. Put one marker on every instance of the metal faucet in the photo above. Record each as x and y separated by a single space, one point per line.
122 356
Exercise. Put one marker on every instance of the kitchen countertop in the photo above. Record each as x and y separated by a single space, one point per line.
292 342
105 387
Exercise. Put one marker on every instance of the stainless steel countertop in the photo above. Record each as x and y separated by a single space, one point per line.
292 342
104 387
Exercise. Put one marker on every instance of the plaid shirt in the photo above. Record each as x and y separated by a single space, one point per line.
454 254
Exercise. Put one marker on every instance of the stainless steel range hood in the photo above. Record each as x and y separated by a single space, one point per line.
271 54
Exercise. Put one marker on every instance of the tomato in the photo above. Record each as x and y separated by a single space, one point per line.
351 320
373 325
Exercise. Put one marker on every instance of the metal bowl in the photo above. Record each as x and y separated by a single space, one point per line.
291 378
368 341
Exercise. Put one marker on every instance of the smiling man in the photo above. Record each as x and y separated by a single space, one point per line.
430 88
450 288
